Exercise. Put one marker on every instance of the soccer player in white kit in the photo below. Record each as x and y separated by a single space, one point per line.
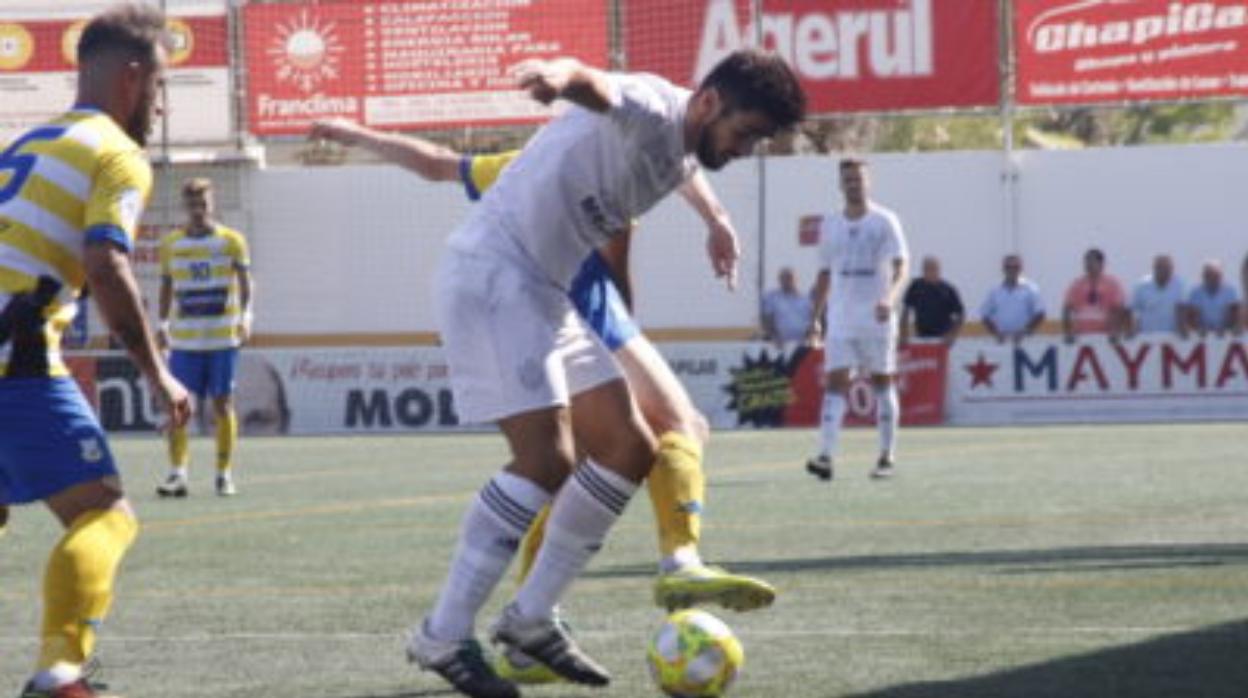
521 357
864 264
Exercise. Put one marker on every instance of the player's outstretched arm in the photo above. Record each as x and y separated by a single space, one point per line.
722 243
565 78
117 296
434 162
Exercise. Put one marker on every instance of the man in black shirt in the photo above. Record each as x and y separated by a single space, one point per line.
935 305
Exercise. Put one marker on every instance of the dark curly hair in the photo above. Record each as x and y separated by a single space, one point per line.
753 80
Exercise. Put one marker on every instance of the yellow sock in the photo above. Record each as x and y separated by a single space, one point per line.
227 438
179 447
532 543
78 584
677 490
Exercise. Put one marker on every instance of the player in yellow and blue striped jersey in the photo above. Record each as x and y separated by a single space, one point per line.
205 316
71 194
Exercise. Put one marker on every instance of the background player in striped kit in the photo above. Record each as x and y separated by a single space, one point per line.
205 316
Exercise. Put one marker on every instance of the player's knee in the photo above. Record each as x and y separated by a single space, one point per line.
630 453
222 406
682 419
699 428
547 468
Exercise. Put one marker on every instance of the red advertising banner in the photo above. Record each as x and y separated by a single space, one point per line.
852 55
920 382
1080 51
38 74
407 64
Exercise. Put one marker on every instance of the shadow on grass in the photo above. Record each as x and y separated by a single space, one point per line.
1063 560
410 694
1209 663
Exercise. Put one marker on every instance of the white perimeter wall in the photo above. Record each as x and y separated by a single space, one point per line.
352 249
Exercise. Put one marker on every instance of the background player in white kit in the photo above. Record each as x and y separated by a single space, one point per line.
864 262
521 357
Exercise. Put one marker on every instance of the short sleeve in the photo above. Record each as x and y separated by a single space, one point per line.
1117 297
119 193
239 250
896 247
912 294
1072 293
987 307
825 242
1037 300
643 101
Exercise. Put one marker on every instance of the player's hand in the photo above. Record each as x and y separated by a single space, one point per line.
337 131
543 80
883 311
244 329
724 250
172 399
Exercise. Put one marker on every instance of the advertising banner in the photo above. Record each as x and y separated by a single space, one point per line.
1043 381
407 390
1084 51
753 385
38 74
407 64
854 55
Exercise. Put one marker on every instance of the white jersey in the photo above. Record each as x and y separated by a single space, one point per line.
858 255
585 176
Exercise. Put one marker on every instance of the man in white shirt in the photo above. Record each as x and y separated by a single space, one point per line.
864 257
1013 309
1157 301
521 357
786 312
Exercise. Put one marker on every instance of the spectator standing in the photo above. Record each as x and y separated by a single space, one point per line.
1157 301
935 304
786 313
1213 306
1095 302
1014 309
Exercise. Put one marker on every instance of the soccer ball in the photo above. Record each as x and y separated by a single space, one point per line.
694 655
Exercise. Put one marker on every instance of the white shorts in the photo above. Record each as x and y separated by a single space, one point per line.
872 355
513 341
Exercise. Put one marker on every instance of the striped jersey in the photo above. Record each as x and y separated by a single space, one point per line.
206 305
75 179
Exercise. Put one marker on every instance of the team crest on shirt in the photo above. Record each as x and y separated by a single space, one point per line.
91 450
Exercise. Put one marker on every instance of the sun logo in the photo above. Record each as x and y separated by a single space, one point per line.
16 47
307 51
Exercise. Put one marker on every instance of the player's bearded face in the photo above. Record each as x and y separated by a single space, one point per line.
731 134
148 101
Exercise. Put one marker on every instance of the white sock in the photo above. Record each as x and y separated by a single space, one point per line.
58 674
180 472
488 540
586 507
830 426
680 559
888 416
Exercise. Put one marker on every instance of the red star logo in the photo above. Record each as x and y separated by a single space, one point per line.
981 371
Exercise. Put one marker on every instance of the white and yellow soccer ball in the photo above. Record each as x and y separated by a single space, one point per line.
694 655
